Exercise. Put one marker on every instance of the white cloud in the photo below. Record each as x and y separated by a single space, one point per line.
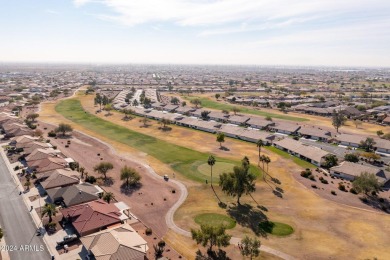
219 12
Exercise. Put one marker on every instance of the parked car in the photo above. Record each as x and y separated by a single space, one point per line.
67 239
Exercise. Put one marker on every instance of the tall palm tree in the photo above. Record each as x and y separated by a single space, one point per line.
49 210
108 196
82 170
262 159
211 162
259 144
267 160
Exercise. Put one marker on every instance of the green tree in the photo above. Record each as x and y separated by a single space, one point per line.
103 168
217 96
183 104
250 247
211 162
211 236
220 139
235 110
196 102
379 133
135 103
145 121
259 144
366 183
50 210
268 118
130 175
164 122
159 249
351 157
108 108
27 184
175 100
108 196
330 161
338 119
1 234
31 117
238 182
63 128
368 144
82 170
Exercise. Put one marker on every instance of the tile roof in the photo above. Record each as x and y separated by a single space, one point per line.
60 179
121 243
92 215
75 194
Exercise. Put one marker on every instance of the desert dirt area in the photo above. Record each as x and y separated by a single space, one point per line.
323 229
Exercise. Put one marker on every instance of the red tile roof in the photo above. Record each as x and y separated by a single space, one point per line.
91 216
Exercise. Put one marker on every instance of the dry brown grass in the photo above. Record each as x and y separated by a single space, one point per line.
323 229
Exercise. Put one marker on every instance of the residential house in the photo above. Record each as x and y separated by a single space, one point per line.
259 123
285 128
238 119
252 135
315 133
75 194
116 243
218 116
309 153
382 146
40 154
31 146
47 164
92 217
60 178
351 140
349 171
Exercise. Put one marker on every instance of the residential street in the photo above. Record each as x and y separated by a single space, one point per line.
19 229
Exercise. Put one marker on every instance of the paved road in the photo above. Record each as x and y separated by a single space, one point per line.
19 229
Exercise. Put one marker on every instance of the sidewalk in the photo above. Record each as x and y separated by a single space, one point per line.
33 213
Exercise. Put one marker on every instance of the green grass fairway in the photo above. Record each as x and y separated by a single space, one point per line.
214 219
218 168
181 159
208 103
276 228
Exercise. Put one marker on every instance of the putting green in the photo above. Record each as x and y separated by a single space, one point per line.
214 219
218 169
276 228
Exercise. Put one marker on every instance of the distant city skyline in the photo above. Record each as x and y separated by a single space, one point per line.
231 32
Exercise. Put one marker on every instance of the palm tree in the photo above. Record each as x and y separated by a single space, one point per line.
103 168
82 170
49 210
211 162
108 196
267 160
259 144
27 184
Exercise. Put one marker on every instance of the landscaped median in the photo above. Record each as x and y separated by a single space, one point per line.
181 159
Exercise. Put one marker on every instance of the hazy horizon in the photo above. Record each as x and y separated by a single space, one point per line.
204 32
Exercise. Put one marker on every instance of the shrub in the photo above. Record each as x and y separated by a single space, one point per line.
16 167
353 191
314 186
381 200
51 134
173 191
342 187
306 173
312 178
66 146
90 179
148 231
324 181
74 165
333 193
55 147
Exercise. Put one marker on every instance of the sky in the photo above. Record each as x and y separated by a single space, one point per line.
246 32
